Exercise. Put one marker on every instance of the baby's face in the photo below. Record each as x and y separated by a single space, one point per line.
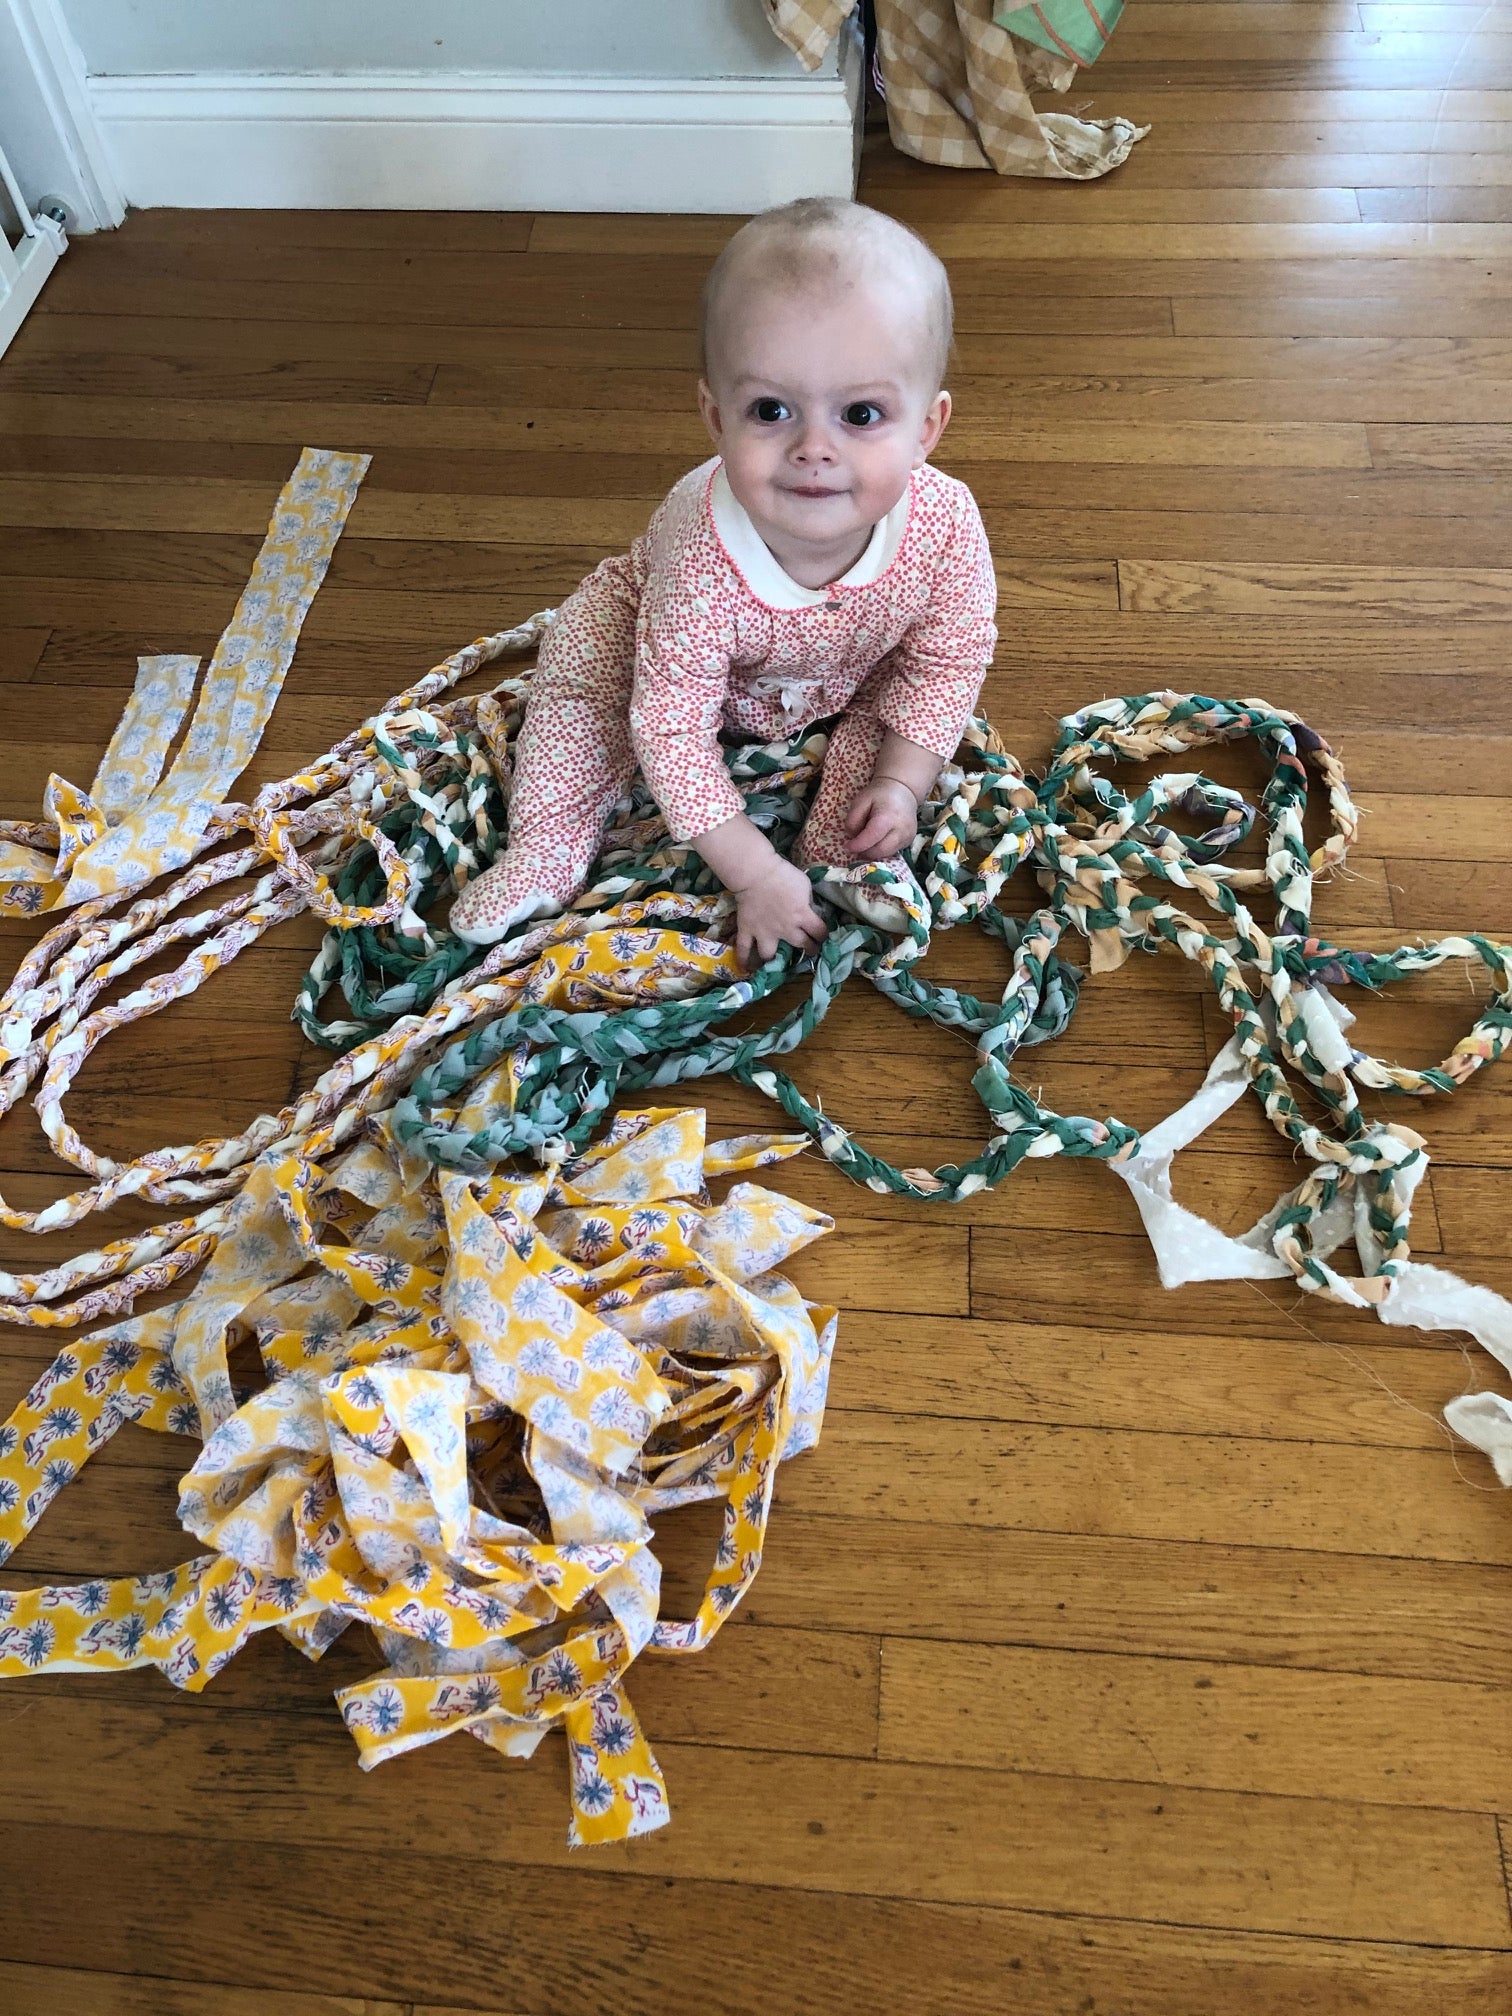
821 405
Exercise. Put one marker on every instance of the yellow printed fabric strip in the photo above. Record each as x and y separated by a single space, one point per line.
136 824
478 1392
132 765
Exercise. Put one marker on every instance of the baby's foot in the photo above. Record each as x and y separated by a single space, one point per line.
494 902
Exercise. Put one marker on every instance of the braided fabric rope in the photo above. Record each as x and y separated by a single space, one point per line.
629 989
1094 852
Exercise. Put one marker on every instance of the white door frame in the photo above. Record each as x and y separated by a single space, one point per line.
56 144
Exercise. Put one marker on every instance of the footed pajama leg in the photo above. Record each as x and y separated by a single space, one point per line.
572 763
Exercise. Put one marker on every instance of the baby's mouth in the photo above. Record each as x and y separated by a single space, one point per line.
812 490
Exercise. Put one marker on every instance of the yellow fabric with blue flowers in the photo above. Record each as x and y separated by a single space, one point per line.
476 1393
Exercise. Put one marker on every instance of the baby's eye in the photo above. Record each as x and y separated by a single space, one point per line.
769 411
862 413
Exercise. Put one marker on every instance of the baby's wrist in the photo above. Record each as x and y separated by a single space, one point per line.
754 873
887 777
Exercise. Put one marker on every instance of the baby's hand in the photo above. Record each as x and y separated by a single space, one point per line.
777 906
883 818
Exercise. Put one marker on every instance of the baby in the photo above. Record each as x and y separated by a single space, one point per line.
815 567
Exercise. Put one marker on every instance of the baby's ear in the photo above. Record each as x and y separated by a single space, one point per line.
936 420
708 406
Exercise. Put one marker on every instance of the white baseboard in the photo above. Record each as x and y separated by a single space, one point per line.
472 142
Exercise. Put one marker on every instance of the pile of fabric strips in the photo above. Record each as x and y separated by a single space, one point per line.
479 1393
452 1345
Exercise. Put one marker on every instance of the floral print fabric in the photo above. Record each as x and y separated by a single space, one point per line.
135 824
478 1391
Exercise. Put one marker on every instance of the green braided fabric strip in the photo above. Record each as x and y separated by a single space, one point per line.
1109 871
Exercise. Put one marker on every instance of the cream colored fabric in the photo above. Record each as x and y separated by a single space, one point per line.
137 823
958 88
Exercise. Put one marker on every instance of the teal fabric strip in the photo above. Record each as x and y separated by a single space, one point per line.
1074 28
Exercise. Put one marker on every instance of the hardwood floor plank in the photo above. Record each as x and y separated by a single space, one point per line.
1252 1605
67 1991
1479 1201
195 505
1399 593
1242 546
1144 1485
1323 313
383 338
1479 449
847 1272
369 670
1187 1722
1342 672
1343 63
591 1936
1476 204
1444 828
1362 1394
1185 99
20 651
1472 765
392 232
1124 1295
1305 496
1441 17
104 373
1233 401
1443 896
1186 443
1252 1861
486 586
1274 165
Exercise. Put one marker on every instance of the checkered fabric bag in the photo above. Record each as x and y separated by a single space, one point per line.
958 84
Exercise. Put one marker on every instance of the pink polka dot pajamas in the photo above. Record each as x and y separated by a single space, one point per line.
696 633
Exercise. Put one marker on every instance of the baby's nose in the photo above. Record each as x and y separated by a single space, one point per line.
814 444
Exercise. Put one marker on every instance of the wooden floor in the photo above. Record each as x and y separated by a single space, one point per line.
1118 1652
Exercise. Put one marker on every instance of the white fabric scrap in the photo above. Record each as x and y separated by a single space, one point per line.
1189 1248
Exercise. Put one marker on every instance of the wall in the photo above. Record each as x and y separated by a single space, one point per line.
622 38
596 105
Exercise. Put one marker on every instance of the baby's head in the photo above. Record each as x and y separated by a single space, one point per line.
826 331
